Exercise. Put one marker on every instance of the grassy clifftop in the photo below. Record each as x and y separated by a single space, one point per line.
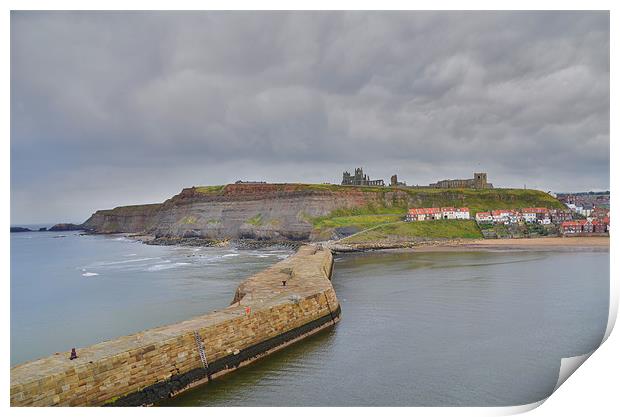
438 229
395 202
481 200
404 197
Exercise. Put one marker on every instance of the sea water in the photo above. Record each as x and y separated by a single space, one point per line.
471 328
435 329
71 290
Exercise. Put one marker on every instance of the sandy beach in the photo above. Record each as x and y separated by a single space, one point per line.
547 243
593 241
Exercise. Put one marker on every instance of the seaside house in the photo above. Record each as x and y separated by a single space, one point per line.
545 220
424 213
462 213
448 213
436 213
578 227
536 214
529 215
505 216
559 216
572 227
484 217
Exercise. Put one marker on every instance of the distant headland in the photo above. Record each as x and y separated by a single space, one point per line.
359 210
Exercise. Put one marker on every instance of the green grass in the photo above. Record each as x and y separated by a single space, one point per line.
368 210
436 229
209 189
361 222
256 220
131 210
337 188
481 200
391 208
400 198
476 200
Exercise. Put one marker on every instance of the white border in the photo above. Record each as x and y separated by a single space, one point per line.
592 390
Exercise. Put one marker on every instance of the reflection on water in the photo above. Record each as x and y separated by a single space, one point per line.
430 329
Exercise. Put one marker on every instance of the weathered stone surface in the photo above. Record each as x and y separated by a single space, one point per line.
166 359
277 212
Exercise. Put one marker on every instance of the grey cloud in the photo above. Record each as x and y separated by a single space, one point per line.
113 108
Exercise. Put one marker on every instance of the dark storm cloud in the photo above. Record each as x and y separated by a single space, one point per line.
115 108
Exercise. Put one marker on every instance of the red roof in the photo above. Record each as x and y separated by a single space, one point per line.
424 210
535 210
462 209
483 214
574 223
500 212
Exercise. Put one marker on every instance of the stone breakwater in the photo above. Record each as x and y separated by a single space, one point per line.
270 310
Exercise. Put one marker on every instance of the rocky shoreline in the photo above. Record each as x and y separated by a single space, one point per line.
419 244
201 242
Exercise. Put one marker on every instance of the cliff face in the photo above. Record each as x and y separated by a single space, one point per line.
280 211
255 211
127 219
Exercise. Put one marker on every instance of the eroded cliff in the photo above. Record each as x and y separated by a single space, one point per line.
286 211
253 211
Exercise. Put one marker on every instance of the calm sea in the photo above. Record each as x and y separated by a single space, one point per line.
426 329
435 329
69 290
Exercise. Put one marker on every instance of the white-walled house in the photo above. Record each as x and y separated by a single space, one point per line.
529 216
462 213
424 213
484 216
448 213
504 216
436 213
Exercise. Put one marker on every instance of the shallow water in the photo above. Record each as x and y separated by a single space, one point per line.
435 329
69 290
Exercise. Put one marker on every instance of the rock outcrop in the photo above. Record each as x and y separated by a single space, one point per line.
65 227
16 229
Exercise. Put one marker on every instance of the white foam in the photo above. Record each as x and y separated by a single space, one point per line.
130 254
228 255
124 262
163 266
89 274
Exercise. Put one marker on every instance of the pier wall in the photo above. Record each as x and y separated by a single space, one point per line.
145 367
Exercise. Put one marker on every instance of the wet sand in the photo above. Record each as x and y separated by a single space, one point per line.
546 243
593 241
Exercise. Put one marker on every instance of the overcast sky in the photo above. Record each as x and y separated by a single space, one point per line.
116 108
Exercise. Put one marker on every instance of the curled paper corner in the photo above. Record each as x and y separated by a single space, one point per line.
611 320
567 367
570 365
519 409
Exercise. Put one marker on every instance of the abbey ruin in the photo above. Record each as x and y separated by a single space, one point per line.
479 181
359 178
